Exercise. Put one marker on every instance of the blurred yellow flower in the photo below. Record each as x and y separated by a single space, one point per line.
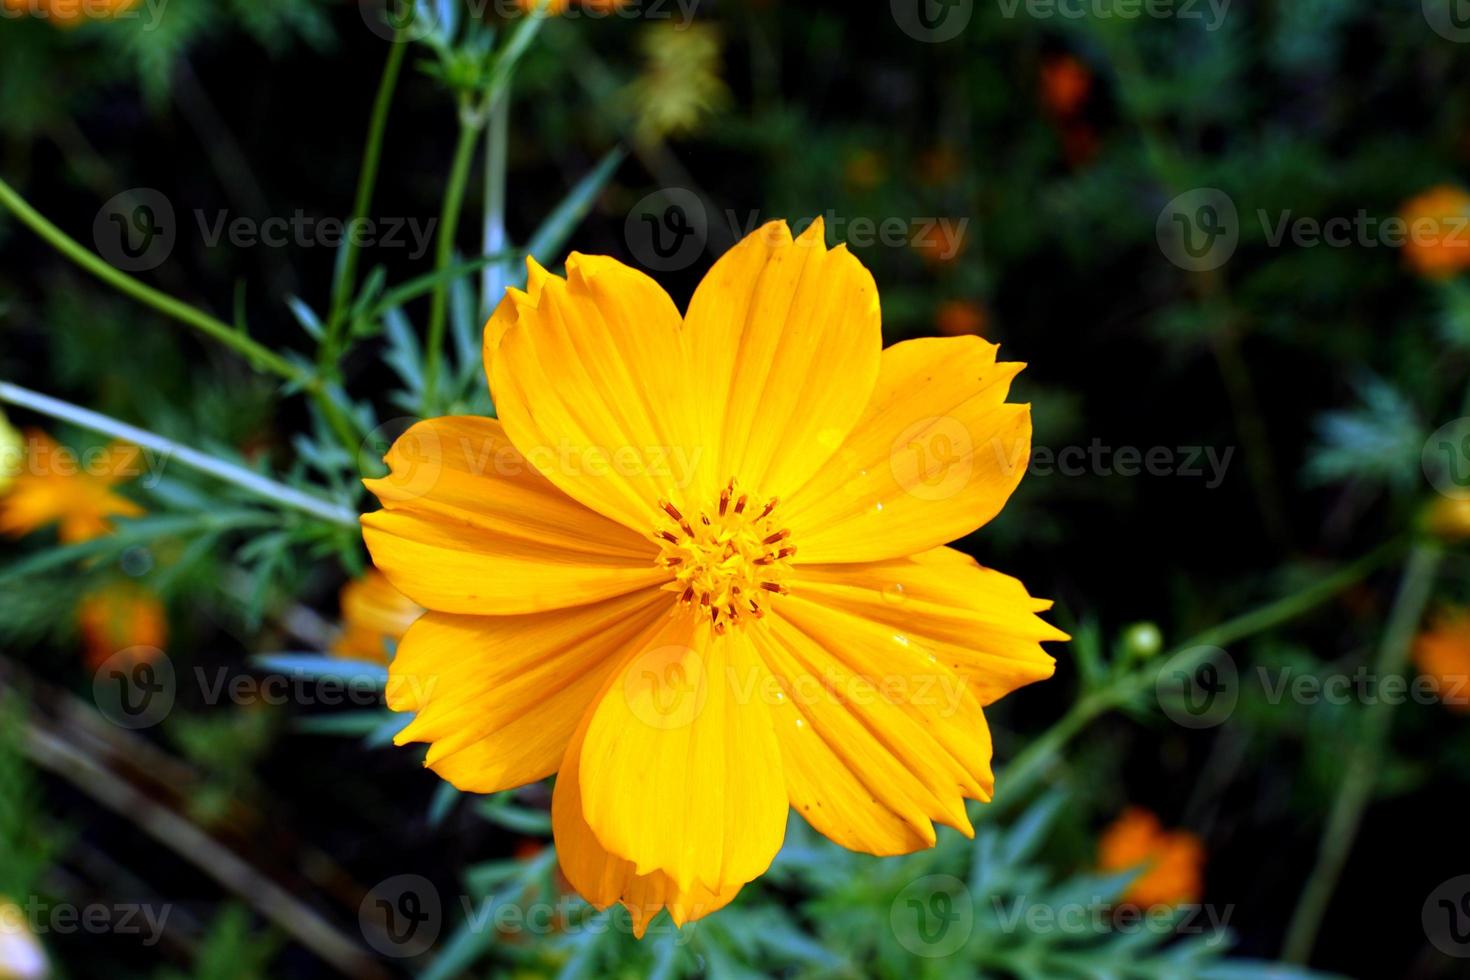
1449 518
680 84
119 617
1442 654
958 317
70 13
374 617
558 7
697 566
12 453
21 955
1173 860
73 490
1438 233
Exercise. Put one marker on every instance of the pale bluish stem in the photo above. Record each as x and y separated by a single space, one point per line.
497 137
169 450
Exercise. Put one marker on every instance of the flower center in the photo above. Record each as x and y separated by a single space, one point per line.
727 562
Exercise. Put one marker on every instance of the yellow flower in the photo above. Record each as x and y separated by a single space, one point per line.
21 956
58 486
1449 518
12 453
1173 860
374 615
122 617
697 567
1442 654
1438 242
556 8
71 13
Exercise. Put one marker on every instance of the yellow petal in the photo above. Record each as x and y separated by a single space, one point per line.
936 454
603 878
591 379
499 696
877 741
681 772
978 622
786 339
471 527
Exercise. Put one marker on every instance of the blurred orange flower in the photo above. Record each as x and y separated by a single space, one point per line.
1442 654
958 317
58 486
939 166
557 7
70 13
1438 242
1174 859
864 170
374 615
939 242
122 617
1065 85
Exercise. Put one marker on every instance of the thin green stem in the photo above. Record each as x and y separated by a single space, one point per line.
260 357
470 124
1365 757
367 180
170 451
1031 765
497 141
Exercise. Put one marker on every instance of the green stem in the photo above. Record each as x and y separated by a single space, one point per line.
260 357
367 181
1031 765
1365 757
173 452
497 141
470 124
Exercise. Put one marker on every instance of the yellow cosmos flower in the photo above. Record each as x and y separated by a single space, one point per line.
1173 860
21 956
74 491
1442 654
122 617
374 616
697 568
